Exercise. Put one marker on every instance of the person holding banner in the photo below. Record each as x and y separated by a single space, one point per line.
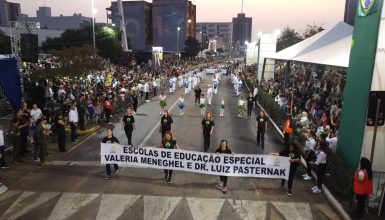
128 125
207 127
110 139
165 123
223 149
168 143
295 157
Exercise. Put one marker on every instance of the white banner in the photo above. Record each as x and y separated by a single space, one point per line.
242 165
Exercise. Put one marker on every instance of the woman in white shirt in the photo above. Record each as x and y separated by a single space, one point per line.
320 165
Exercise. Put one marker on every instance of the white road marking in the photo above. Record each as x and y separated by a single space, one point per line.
250 210
294 211
202 208
156 126
159 207
113 206
70 203
8 194
26 202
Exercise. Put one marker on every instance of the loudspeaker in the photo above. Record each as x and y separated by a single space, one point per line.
29 48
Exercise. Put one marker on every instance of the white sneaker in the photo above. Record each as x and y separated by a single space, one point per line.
307 178
317 190
305 175
314 187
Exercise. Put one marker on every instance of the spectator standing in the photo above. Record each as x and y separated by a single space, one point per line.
73 119
363 186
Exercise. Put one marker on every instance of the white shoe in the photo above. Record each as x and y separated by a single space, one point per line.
317 190
304 175
314 187
307 178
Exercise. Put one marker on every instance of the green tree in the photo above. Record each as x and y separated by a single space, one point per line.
288 38
191 47
312 29
5 43
107 41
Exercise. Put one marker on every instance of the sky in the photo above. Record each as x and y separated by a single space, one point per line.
267 15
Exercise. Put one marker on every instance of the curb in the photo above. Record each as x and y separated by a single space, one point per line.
337 205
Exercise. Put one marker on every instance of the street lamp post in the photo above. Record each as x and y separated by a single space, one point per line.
259 52
177 40
94 11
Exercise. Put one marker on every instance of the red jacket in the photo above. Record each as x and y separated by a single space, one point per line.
364 187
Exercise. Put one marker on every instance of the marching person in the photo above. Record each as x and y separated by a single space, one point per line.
165 123
110 139
146 90
198 93
128 125
223 149
261 129
209 95
207 127
162 102
250 104
295 158
363 185
222 106
181 105
215 84
202 104
168 143
241 107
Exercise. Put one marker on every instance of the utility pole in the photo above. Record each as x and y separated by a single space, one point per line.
122 26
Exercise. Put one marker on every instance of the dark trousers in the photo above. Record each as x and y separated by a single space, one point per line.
23 143
361 203
128 132
81 122
135 105
146 95
206 141
43 152
293 169
321 168
308 159
74 132
108 168
197 100
2 159
155 89
287 138
61 141
224 180
261 138
249 110
108 114
167 174
36 150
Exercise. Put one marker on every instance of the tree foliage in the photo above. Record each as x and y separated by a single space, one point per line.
5 43
72 62
107 41
191 47
290 36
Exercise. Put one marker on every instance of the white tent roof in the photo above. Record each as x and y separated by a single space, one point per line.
329 47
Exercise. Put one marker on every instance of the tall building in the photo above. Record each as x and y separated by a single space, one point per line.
241 29
173 22
221 32
350 11
14 11
138 19
61 22
4 20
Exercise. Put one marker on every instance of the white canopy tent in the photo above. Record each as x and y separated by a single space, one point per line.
329 47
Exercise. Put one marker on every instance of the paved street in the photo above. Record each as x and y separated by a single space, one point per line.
73 186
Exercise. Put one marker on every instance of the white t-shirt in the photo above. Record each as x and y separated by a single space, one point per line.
1 138
36 114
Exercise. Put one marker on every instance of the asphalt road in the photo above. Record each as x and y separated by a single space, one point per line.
73 186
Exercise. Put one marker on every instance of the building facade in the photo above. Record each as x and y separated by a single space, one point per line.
14 11
242 29
173 22
138 19
47 21
4 20
350 11
220 32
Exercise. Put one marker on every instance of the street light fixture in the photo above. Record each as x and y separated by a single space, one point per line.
177 40
94 11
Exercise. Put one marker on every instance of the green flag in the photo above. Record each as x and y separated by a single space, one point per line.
359 81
